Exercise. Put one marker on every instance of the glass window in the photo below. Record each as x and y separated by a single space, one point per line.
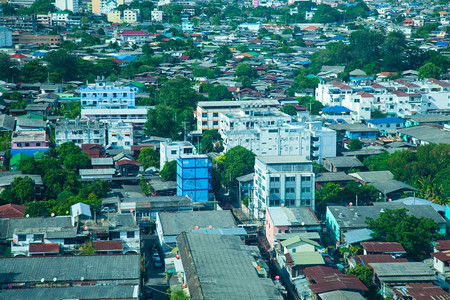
115 235
290 178
38 237
306 178
274 179
173 152
215 115
130 234
21 238
306 190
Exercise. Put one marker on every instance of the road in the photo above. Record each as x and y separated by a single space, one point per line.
156 277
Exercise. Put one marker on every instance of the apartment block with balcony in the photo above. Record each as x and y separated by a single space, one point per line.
208 111
120 135
80 131
104 95
282 181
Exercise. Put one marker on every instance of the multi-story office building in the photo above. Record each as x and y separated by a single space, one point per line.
120 135
194 177
80 131
60 17
282 181
5 37
104 95
170 151
208 111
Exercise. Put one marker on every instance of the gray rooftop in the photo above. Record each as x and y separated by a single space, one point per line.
351 127
101 161
25 122
341 295
344 162
372 176
431 119
75 292
211 104
8 179
427 133
391 185
293 216
175 223
332 176
99 172
355 216
69 268
403 272
7 122
53 226
358 235
245 178
222 267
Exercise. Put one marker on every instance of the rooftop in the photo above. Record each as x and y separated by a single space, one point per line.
403 272
427 133
293 216
29 136
383 247
288 159
344 161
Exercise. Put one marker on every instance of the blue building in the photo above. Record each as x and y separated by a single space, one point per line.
386 125
103 95
194 177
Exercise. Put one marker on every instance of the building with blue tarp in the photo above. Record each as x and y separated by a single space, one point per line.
194 177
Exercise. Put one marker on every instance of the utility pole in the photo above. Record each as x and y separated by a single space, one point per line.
184 126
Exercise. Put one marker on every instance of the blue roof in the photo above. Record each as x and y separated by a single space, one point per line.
444 44
386 121
336 109
338 38
39 53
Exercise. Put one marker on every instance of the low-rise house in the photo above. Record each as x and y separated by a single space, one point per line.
9 211
103 174
7 178
366 260
7 123
417 291
127 167
342 163
341 219
425 134
29 123
285 222
170 225
391 248
336 177
102 163
207 257
29 142
170 151
390 275
387 126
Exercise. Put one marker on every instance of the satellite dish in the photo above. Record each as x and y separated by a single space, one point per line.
82 278
54 279
42 280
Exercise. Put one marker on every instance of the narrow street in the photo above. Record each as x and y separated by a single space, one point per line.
157 281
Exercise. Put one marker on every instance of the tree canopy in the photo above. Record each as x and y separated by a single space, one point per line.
149 158
415 234
169 171
236 162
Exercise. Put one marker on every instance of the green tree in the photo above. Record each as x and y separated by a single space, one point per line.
147 50
161 122
210 139
149 158
245 70
329 193
237 161
326 14
415 234
21 190
178 295
62 66
394 48
376 114
429 70
313 106
364 273
355 144
223 54
39 208
8 70
219 93
77 161
65 149
289 109
366 46
33 72
169 171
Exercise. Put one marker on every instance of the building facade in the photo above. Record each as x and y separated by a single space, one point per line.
282 181
104 95
29 142
120 135
194 177
5 37
80 131
170 151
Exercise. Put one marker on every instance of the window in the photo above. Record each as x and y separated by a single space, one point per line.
187 151
215 123
290 178
306 190
27 144
127 143
204 115
21 238
274 179
173 152
115 235
38 238
274 190
38 144
306 178
83 102
124 94
19 144
290 190
130 234
215 115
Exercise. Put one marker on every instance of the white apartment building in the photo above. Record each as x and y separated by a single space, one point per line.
323 141
105 95
60 18
170 151
157 15
208 111
128 115
120 135
282 181
80 131
71 5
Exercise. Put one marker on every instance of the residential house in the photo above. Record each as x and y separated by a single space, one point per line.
386 126
170 151
245 186
80 131
11 210
102 174
425 134
120 135
6 178
285 222
127 167
15 159
30 122
342 163
336 177
29 142
237 268
420 290
282 181
391 248
7 123
102 163
170 224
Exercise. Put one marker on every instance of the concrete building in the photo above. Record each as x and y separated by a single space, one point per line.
194 177
157 15
39 39
120 135
71 5
28 142
105 95
80 131
282 181
128 115
208 111
5 37
169 151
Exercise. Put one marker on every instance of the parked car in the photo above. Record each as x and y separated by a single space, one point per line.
157 264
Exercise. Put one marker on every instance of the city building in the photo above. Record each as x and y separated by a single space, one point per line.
282 181
5 37
194 177
80 131
39 39
105 95
170 150
29 142
157 15
120 135
128 115
208 111
60 18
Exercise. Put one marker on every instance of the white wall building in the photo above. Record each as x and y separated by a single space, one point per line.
169 151
80 131
208 111
104 95
71 5
120 135
60 17
282 181
157 15
128 115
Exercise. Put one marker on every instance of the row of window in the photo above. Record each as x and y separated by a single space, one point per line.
114 95
290 190
27 144
290 179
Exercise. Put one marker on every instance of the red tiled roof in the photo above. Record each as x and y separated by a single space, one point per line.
400 94
108 245
12 211
365 94
128 162
442 244
378 86
340 85
383 247
442 256
325 279
18 55
379 258
311 28
44 248
423 291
